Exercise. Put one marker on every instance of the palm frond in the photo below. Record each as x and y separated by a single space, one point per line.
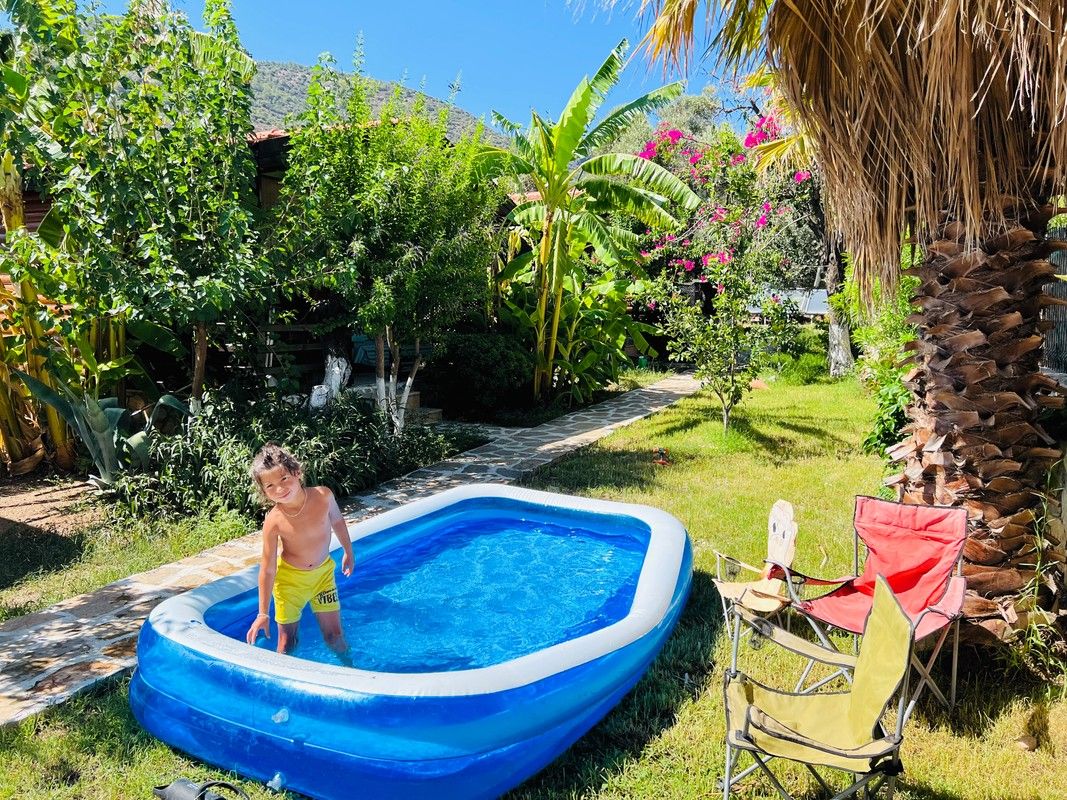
575 118
645 172
599 238
607 194
619 118
495 162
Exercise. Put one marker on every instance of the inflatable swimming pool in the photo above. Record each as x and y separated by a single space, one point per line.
490 628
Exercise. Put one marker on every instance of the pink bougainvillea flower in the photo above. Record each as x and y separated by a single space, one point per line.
776 299
725 257
703 279
738 159
670 237
802 176
719 214
766 208
645 254
652 304
685 243
720 288
674 135
761 221
704 259
695 158
751 140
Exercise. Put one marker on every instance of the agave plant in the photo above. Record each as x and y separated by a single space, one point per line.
108 431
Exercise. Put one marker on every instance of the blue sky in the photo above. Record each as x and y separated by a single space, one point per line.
512 54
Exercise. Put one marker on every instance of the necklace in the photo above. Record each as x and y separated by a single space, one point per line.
298 513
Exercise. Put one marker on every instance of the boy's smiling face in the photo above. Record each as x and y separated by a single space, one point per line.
280 485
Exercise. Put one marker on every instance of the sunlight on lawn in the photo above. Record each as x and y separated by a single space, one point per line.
801 444
665 739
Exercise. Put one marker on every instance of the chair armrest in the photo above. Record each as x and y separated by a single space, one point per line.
950 605
796 644
721 557
794 579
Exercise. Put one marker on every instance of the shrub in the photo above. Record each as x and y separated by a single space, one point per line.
804 360
892 398
804 369
345 446
476 373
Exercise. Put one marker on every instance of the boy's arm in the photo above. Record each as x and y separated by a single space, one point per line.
340 527
268 569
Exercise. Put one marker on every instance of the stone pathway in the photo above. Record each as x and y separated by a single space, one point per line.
51 655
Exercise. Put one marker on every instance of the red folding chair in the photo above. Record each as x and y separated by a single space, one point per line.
917 549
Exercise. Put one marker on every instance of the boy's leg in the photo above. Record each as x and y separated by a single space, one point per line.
287 636
330 625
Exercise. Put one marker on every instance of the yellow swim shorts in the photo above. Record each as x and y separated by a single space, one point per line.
294 588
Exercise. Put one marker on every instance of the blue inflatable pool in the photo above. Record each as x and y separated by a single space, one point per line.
489 626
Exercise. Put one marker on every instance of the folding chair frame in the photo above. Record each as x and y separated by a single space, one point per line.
794 579
888 766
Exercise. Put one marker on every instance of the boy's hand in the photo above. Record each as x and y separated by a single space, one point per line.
262 623
347 563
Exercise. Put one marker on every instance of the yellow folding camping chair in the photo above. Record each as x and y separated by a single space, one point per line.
839 730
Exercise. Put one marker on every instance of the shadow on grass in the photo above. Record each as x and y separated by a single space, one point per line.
811 437
683 671
595 468
29 550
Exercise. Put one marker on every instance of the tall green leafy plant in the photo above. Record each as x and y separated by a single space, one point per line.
577 195
153 177
387 219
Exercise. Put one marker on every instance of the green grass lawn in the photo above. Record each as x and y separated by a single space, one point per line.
665 739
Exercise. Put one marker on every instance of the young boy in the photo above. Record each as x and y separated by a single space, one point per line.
302 572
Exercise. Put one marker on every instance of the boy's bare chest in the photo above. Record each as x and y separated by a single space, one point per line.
305 539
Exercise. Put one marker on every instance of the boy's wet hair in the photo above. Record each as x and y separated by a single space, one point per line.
272 455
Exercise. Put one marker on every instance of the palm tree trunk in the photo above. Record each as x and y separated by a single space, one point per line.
542 282
973 438
557 303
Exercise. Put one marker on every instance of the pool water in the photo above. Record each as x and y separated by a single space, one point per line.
474 587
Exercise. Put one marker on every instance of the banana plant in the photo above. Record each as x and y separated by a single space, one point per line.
108 431
579 190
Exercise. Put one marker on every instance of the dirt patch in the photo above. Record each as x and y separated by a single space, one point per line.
60 506
41 525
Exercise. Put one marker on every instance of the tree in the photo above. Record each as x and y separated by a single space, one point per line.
728 345
793 153
155 181
576 192
964 149
388 218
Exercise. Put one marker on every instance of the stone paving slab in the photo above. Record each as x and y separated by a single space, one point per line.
51 655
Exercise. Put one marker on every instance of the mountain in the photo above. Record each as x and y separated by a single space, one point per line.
280 90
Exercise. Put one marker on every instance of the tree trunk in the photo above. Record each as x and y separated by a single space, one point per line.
840 347
379 374
840 344
973 439
199 362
